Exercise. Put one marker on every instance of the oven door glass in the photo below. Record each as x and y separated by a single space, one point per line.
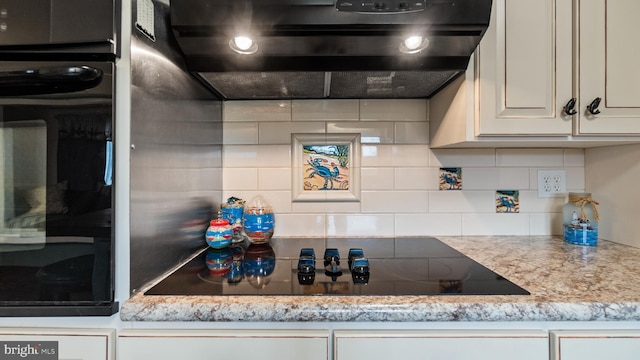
56 181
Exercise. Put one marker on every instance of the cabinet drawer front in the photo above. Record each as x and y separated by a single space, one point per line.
588 345
85 344
451 345
233 344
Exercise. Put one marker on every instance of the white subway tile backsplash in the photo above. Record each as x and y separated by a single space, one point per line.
290 225
381 225
275 155
545 224
531 203
279 200
495 178
411 132
325 207
395 201
240 179
256 110
376 178
393 110
428 224
399 173
462 157
241 156
395 155
529 157
376 133
495 224
533 177
325 110
240 133
256 156
457 201
418 178
274 178
271 133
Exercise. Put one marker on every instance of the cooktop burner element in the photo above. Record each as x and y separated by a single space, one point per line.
373 266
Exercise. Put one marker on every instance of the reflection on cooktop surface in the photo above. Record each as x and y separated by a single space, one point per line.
315 266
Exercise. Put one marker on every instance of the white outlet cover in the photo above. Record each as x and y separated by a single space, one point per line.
552 183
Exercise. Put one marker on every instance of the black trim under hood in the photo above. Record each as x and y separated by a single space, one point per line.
310 49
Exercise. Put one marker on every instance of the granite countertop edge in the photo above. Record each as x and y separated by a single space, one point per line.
286 310
567 283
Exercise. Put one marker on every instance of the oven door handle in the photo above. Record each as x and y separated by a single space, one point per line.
49 80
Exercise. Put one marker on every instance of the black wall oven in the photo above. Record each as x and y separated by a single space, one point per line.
56 159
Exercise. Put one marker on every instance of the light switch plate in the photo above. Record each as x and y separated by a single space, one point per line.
552 183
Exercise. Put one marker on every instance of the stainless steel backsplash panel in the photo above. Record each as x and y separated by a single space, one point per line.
176 162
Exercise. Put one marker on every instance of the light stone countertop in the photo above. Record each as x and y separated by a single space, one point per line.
567 283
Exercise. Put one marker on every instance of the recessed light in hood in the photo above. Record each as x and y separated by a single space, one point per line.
413 44
243 45
307 48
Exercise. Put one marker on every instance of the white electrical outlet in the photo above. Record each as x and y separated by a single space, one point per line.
552 183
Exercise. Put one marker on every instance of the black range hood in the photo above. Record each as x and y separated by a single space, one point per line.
314 49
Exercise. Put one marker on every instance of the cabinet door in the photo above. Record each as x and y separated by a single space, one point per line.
81 344
450 345
595 345
609 70
525 69
223 344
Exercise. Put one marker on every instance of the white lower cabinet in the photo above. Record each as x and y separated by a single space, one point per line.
505 344
57 343
592 344
434 344
223 344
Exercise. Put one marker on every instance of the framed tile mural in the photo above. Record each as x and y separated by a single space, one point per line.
325 167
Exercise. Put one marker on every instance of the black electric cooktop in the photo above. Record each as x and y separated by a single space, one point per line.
380 266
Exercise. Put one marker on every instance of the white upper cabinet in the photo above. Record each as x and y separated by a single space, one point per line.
609 55
535 58
525 69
